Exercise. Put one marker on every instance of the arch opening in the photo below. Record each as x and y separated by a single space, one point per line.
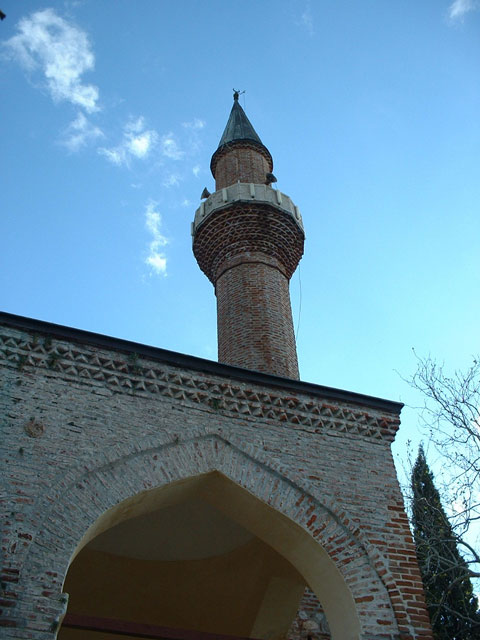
203 553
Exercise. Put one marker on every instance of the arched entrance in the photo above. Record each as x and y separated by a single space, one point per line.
185 562
302 540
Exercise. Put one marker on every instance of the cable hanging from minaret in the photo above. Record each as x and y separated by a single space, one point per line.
299 303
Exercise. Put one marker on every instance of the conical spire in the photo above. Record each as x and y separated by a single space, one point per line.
238 126
240 134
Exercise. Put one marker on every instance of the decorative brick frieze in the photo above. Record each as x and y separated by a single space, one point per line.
87 425
127 373
242 229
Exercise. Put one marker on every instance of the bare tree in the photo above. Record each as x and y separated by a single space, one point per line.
451 416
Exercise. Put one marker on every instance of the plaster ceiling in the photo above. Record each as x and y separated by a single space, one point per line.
188 530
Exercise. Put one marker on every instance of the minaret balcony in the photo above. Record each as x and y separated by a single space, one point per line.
246 192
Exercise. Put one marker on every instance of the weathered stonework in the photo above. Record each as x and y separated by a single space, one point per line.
89 422
310 620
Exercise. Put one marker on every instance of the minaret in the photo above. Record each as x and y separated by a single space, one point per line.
248 240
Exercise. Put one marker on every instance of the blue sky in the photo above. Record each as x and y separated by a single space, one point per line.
111 111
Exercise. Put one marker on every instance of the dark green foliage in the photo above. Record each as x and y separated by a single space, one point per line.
452 606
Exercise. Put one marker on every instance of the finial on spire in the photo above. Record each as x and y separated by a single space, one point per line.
239 129
237 93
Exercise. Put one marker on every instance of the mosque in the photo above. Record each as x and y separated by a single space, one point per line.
152 494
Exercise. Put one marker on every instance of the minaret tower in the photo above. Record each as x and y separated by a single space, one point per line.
248 240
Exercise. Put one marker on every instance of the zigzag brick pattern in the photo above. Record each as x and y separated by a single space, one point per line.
85 427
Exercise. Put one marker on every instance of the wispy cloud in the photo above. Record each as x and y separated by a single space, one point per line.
196 170
196 123
137 142
306 19
57 54
156 258
59 50
170 147
193 130
171 180
79 133
459 8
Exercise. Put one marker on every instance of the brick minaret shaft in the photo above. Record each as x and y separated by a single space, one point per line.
248 239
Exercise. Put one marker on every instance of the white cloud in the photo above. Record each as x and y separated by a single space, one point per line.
140 145
79 133
137 142
156 259
135 126
172 180
459 8
61 51
196 170
196 123
158 262
117 156
170 147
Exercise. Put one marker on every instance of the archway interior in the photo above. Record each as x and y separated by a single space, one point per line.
200 554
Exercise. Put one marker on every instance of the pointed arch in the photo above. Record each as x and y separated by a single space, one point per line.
318 541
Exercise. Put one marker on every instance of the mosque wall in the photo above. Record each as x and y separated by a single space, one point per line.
90 421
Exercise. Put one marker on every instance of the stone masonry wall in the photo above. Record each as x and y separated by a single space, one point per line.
89 421
310 621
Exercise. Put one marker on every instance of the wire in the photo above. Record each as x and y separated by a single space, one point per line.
299 302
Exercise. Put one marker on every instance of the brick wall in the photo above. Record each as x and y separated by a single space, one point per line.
248 228
88 422
255 328
249 251
241 162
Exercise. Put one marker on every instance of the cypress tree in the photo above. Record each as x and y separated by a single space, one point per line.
452 606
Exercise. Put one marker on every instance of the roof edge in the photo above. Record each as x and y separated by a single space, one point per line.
199 364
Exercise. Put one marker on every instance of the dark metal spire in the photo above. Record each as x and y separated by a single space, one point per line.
238 126
239 132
